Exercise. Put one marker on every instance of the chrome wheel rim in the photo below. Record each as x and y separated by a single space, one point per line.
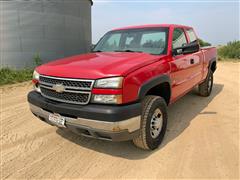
156 123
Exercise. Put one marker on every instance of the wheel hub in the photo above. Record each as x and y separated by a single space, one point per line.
209 83
156 123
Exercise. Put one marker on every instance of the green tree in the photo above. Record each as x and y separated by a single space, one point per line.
203 43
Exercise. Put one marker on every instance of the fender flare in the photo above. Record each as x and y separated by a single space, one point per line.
152 83
211 62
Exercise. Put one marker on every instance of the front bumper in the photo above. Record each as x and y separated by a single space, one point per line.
114 123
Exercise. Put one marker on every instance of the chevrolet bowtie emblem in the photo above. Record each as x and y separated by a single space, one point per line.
58 88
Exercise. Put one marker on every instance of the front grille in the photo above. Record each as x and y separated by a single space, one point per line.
69 83
75 91
68 97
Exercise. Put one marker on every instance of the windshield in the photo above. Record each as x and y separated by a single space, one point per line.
153 41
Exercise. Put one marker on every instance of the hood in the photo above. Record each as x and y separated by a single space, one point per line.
97 65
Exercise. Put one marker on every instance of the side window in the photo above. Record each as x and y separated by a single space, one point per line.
191 35
179 38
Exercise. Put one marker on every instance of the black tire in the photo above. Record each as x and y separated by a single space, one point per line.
205 88
150 105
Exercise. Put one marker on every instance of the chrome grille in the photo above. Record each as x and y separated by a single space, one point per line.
75 91
68 83
69 97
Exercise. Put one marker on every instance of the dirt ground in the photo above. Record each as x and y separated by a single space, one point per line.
202 140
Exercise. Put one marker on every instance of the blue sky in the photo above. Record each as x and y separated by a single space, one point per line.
216 21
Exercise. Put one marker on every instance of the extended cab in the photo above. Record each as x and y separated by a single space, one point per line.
120 91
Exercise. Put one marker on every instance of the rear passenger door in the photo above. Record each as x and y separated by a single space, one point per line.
196 59
181 67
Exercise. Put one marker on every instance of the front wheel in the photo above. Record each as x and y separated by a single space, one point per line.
153 123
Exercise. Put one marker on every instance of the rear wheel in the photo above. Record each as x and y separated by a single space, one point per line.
153 123
205 88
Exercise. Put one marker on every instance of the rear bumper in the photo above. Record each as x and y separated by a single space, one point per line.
114 123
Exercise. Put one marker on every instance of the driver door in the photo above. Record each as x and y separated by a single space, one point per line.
181 66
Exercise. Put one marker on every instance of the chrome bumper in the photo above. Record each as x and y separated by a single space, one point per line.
128 126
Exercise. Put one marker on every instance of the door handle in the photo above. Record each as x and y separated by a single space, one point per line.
192 61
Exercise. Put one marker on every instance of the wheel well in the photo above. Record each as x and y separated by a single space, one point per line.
213 66
162 90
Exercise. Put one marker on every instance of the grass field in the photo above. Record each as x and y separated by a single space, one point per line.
11 76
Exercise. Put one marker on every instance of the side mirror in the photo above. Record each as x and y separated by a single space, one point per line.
177 51
187 49
191 48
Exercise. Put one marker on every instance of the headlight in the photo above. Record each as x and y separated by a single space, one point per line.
107 99
35 75
115 82
35 81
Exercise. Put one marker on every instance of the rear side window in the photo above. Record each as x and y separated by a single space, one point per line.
191 35
179 38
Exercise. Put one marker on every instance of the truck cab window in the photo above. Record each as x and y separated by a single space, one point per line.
179 38
147 40
154 41
112 42
191 35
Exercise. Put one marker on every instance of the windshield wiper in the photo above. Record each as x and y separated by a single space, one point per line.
127 50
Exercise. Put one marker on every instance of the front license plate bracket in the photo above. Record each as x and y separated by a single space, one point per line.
57 120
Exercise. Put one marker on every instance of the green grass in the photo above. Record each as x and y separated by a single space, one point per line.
10 76
230 51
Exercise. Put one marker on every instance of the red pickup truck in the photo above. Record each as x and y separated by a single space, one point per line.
120 91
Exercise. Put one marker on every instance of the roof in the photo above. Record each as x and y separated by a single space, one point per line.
151 26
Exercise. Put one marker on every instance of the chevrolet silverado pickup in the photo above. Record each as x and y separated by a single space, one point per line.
120 91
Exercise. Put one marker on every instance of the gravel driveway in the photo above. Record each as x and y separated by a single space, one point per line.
202 140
